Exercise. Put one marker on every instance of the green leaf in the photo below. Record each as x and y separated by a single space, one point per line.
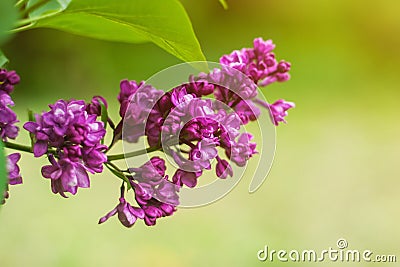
163 22
3 172
224 4
8 18
3 59
42 8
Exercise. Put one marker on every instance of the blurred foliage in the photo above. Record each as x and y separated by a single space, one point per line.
8 16
336 167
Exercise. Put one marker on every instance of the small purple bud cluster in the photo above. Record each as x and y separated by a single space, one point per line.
155 195
258 63
71 136
261 67
8 129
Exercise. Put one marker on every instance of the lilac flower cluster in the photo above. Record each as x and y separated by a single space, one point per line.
71 136
208 131
8 129
198 124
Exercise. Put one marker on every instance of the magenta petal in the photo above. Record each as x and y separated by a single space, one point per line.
107 216
189 179
82 177
52 172
30 126
40 148
138 212
127 218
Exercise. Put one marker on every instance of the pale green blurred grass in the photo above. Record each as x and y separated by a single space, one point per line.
336 168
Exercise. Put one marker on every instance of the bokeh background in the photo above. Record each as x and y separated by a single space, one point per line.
336 172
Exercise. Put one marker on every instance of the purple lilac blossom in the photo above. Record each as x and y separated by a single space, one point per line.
8 118
189 179
94 107
151 177
137 100
127 214
223 168
76 136
241 150
279 110
14 176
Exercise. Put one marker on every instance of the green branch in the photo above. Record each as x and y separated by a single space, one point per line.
133 153
109 158
18 147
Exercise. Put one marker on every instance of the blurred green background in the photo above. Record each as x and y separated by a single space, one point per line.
336 171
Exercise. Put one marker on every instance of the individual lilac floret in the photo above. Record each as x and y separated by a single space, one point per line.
94 157
241 150
182 177
223 168
76 136
152 172
279 110
127 214
66 175
94 107
7 117
203 153
14 176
